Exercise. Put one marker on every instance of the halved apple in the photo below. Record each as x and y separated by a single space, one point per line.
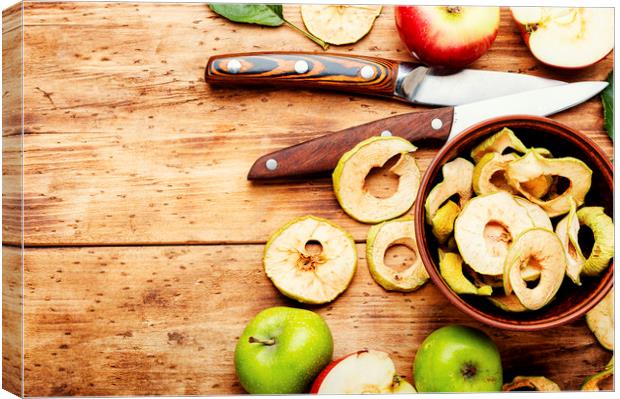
365 371
565 37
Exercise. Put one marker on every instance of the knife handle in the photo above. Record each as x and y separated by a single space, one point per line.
322 153
359 74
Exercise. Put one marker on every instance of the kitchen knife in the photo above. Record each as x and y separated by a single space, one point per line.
322 153
407 81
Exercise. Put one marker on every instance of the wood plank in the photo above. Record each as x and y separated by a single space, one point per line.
165 320
12 317
127 144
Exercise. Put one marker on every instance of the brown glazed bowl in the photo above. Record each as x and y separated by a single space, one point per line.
571 301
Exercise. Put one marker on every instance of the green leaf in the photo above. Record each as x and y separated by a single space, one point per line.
259 14
607 97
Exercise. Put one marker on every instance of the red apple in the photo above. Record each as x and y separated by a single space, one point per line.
366 371
447 36
568 38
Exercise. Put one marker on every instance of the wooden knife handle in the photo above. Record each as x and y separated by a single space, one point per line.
322 153
359 74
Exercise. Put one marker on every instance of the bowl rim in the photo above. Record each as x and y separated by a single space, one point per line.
424 252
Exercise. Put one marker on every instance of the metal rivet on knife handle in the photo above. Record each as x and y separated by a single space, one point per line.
367 72
436 123
271 164
301 66
233 66
386 133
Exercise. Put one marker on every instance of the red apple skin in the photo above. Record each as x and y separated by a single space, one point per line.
414 25
316 385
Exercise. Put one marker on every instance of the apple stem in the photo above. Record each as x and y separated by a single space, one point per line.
267 342
453 9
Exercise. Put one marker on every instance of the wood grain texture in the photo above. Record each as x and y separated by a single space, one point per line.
12 310
127 144
165 320
328 71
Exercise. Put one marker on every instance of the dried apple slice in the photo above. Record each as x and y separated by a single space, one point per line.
310 260
498 143
451 269
486 227
443 221
567 230
592 383
457 179
339 24
539 248
383 236
602 227
537 214
489 173
508 303
353 167
531 383
601 321
532 165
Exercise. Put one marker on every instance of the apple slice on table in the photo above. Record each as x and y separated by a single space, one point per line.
366 371
564 37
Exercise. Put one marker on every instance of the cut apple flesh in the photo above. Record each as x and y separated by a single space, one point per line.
537 214
304 272
451 269
508 303
601 321
383 236
531 383
602 227
457 179
489 173
498 143
353 168
567 37
540 248
592 383
339 24
532 165
567 230
364 372
486 227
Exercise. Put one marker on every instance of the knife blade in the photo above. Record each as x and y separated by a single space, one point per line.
441 124
406 81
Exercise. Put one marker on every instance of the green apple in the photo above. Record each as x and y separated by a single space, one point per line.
282 350
457 359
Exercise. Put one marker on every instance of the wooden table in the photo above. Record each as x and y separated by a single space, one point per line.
143 238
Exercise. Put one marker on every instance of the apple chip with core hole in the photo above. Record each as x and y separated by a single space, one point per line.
498 143
567 37
310 260
489 173
567 230
362 372
601 321
602 227
542 249
533 383
350 175
508 303
385 235
532 165
451 269
339 24
486 227
592 383
443 221
457 179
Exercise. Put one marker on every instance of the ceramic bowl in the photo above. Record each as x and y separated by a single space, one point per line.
571 301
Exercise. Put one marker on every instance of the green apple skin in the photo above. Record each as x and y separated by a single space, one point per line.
450 355
302 347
